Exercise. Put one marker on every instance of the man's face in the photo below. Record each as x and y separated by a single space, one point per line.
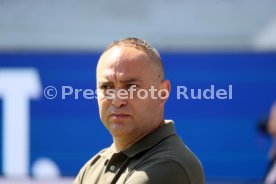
272 121
122 68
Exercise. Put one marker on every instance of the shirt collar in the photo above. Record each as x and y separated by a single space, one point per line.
151 139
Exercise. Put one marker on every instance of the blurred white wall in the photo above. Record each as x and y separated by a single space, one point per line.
170 25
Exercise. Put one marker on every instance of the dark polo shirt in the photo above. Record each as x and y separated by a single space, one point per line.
159 158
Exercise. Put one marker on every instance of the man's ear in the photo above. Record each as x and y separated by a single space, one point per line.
164 91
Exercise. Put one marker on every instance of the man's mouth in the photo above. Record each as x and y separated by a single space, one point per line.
118 115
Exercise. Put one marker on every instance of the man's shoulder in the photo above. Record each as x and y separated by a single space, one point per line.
88 165
161 172
173 153
164 171
103 153
174 148
178 151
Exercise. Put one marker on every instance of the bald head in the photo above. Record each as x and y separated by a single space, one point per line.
152 55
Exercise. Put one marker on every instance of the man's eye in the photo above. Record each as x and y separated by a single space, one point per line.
132 86
105 87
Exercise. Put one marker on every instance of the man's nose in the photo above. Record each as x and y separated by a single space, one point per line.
118 102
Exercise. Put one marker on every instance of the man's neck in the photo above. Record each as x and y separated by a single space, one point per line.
122 143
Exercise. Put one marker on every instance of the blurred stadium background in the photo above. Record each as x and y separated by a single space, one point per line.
202 43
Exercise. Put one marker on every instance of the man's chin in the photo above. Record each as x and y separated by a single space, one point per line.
119 130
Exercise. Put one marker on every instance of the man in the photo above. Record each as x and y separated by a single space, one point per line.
131 97
270 177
